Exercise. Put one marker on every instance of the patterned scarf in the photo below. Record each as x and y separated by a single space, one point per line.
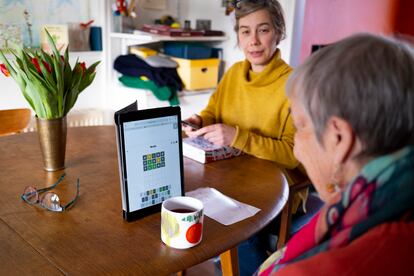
382 192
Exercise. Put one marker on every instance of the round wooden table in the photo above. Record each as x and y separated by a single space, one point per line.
92 237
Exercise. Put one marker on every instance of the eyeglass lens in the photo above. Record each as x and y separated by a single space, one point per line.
31 195
51 202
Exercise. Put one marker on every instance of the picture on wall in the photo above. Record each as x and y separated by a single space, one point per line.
21 20
10 34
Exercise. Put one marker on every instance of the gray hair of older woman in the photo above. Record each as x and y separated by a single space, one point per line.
246 7
366 80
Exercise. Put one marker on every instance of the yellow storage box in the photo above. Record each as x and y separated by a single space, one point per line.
198 73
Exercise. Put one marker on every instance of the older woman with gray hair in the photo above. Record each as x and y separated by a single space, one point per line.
353 107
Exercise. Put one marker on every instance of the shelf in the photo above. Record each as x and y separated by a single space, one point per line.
186 93
191 102
144 37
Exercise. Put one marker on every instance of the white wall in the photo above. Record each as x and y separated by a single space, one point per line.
94 96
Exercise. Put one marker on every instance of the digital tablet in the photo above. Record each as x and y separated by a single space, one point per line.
150 158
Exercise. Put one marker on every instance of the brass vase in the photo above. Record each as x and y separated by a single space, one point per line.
52 138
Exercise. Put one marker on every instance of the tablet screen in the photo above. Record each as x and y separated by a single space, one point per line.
152 161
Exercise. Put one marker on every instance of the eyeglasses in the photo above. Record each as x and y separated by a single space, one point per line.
49 200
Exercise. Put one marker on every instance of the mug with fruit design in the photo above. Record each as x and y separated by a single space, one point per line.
182 222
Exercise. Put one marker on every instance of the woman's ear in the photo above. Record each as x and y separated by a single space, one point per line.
340 139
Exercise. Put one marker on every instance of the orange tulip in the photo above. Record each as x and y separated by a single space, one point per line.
4 70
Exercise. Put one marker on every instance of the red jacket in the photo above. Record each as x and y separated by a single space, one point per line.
387 249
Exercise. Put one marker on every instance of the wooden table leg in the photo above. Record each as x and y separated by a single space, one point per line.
229 262
181 273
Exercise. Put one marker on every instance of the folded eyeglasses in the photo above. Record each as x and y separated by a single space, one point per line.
49 200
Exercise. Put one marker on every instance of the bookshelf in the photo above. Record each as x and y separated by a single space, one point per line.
119 96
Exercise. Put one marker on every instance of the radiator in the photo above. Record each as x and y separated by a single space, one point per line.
82 118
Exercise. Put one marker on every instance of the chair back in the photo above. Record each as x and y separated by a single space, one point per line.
298 181
13 121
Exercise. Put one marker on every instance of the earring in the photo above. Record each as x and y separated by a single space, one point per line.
333 187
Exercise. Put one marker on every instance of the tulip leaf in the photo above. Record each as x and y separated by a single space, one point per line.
47 81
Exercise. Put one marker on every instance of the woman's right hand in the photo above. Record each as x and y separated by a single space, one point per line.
195 120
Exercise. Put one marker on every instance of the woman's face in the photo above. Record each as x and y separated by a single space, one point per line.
317 159
257 38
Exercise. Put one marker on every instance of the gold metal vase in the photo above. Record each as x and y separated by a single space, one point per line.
52 138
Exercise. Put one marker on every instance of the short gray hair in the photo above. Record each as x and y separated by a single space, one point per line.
246 7
368 81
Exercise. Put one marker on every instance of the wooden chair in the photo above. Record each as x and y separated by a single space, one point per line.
301 182
229 262
13 121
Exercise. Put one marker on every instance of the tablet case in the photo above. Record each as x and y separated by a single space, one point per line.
119 140
127 112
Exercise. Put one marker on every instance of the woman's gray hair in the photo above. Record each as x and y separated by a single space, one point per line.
368 81
246 7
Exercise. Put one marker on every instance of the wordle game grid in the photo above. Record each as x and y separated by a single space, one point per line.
153 161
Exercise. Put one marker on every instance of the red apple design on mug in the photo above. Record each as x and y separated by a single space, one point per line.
193 234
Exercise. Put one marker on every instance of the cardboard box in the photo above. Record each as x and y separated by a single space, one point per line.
198 73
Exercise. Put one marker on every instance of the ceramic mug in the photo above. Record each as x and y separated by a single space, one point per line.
182 222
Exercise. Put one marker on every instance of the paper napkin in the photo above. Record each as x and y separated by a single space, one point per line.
221 207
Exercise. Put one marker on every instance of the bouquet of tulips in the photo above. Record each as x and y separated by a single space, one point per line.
47 81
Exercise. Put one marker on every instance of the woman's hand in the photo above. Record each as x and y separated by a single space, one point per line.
195 120
218 134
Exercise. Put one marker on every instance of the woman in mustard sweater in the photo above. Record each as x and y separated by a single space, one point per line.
249 109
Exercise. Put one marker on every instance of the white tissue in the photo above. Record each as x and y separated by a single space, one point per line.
221 207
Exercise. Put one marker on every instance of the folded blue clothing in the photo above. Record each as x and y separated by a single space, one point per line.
131 65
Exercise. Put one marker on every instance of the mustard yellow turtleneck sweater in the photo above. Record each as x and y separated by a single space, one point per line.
256 104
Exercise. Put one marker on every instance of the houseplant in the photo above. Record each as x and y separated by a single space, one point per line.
51 87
